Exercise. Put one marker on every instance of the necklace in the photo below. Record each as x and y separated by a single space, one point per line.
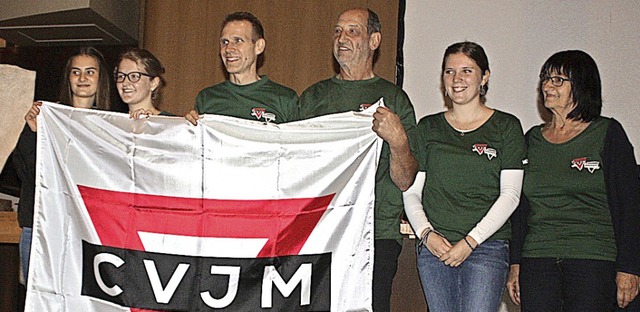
458 127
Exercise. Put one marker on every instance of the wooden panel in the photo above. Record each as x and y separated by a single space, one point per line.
184 36
9 229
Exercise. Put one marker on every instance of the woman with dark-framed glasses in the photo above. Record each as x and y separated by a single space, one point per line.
575 244
139 80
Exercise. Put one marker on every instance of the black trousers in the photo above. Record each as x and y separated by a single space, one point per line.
567 285
385 265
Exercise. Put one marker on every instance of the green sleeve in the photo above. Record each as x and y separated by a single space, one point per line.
292 107
304 108
515 150
418 146
404 110
199 101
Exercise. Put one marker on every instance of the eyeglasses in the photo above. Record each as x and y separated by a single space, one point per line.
556 81
133 76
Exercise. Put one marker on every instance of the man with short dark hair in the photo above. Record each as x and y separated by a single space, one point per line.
246 94
355 40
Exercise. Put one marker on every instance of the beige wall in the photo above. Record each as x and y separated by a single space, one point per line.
184 36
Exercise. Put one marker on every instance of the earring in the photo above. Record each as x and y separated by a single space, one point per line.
481 90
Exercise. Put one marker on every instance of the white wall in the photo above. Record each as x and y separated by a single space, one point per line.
518 36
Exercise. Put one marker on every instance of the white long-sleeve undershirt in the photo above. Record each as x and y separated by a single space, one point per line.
502 208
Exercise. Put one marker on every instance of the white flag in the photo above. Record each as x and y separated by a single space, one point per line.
237 215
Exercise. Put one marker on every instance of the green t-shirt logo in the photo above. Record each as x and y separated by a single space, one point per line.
257 112
484 149
580 163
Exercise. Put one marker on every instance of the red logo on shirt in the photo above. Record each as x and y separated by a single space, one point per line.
257 112
581 163
484 149
364 107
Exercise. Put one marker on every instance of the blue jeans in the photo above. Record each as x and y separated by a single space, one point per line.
556 284
25 250
476 285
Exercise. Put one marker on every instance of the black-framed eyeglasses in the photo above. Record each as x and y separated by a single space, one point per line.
556 81
132 76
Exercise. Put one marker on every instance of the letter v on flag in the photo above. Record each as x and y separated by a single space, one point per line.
231 214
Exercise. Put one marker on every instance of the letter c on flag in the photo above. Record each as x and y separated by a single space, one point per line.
110 258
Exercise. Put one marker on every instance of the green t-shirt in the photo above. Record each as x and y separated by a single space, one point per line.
249 101
336 96
564 183
463 171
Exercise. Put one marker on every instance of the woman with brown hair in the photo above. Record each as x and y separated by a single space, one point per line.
85 85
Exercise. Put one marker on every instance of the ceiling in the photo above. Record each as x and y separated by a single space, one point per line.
103 24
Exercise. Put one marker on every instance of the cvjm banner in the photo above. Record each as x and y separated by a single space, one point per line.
231 214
